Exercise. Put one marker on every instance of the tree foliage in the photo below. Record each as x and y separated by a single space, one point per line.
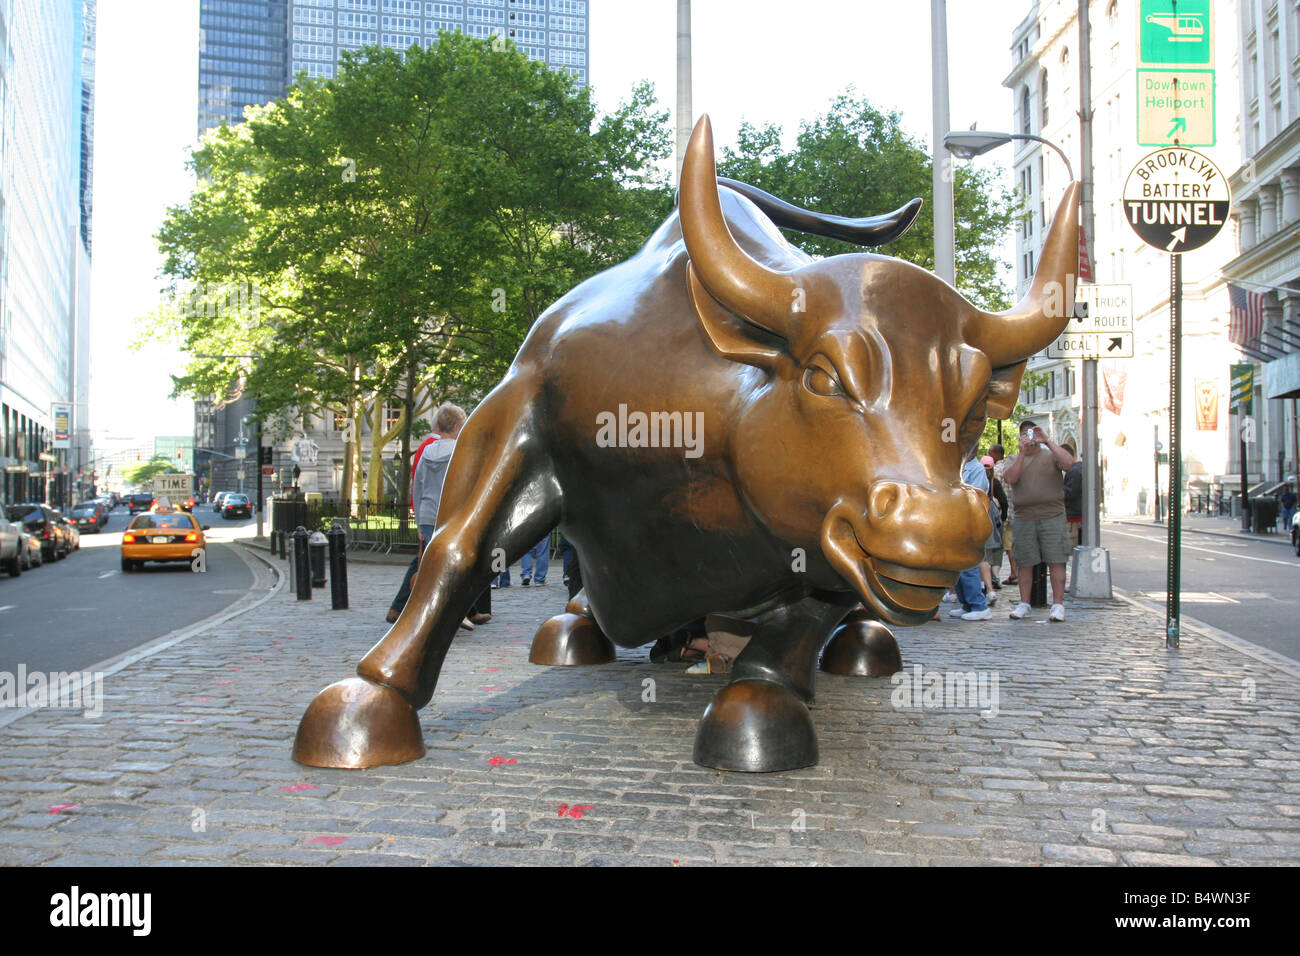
402 226
857 161
155 466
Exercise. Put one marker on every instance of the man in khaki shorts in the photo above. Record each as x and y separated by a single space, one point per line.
1040 537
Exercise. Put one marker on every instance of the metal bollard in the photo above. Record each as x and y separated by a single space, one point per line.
338 545
1038 592
316 545
301 563
284 545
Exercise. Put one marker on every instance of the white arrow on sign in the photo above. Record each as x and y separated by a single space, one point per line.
1180 235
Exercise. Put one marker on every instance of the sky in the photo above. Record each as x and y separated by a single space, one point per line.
753 60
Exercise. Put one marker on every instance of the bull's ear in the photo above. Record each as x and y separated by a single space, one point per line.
1004 388
731 336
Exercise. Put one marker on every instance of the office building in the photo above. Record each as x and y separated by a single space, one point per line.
46 141
1133 393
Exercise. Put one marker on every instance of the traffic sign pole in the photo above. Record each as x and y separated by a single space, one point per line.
1173 577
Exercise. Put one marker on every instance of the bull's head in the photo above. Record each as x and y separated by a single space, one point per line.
877 377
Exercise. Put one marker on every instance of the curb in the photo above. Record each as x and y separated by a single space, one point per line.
1277 539
1242 646
242 605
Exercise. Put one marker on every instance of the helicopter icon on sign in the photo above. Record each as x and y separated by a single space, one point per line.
1182 28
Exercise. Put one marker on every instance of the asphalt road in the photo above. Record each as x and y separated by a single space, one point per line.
67 615
1248 588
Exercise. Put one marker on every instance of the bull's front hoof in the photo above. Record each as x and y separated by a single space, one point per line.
756 726
355 724
569 640
862 649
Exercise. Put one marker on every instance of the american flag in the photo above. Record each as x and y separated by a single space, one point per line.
1246 309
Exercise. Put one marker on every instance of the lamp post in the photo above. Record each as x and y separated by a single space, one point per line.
967 144
256 358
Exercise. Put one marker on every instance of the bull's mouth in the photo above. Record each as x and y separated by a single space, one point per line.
899 594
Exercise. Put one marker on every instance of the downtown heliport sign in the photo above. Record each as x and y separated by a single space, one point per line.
1175 73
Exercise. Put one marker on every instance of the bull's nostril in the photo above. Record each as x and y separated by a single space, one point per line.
884 498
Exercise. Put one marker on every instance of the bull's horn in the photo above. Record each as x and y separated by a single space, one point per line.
747 288
1033 323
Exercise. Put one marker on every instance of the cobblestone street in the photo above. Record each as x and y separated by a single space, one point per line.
1104 749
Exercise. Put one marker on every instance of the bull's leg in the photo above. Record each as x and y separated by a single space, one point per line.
572 638
760 721
862 647
499 499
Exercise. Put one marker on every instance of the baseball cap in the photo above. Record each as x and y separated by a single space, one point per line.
987 461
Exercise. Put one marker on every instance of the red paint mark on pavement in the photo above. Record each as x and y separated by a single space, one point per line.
492 670
493 687
576 811
299 787
329 841
202 700
220 682
485 710
57 808
498 761
234 668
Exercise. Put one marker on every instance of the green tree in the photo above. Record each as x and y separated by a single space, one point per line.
143 474
404 225
856 161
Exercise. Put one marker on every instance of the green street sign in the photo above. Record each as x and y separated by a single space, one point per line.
1242 388
1175 33
1175 107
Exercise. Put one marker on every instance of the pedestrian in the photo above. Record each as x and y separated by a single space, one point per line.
541 554
426 491
993 547
1000 464
571 566
974 603
1036 477
1288 502
1073 482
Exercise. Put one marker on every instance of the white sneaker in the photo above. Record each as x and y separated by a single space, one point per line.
983 615
1021 610
956 612
991 598
1058 613
949 597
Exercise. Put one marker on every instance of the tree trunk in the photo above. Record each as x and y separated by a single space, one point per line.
358 456
404 472
345 485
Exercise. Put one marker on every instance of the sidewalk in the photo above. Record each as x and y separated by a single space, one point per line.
1204 524
1105 749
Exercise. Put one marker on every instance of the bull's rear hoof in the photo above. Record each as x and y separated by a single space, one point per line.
756 726
567 640
862 649
355 724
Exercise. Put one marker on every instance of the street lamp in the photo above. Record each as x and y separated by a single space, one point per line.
256 358
967 144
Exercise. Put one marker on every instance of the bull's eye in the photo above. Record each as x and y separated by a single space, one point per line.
821 382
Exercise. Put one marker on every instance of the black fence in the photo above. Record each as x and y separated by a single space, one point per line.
373 526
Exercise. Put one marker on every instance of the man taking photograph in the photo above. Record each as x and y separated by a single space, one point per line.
1039 533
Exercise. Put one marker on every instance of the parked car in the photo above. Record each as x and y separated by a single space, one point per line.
236 506
161 535
74 534
141 501
218 499
11 548
46 524
90 516
31 551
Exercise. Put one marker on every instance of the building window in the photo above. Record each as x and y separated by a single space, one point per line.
1026 120
1042 95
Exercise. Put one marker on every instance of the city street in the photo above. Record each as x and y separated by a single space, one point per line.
72 614
1247 587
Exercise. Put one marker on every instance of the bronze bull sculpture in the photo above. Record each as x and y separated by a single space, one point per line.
830 404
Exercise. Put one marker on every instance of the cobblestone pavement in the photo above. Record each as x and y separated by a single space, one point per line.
1105 749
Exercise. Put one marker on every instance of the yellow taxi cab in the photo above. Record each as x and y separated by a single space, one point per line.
161 534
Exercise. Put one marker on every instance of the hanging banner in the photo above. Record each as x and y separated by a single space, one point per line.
62 415
1113 382
1242 376
1207 404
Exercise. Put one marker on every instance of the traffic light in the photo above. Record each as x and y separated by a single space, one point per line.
264 455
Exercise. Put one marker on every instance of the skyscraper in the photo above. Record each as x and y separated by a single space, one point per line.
46 141
554 32
241 57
